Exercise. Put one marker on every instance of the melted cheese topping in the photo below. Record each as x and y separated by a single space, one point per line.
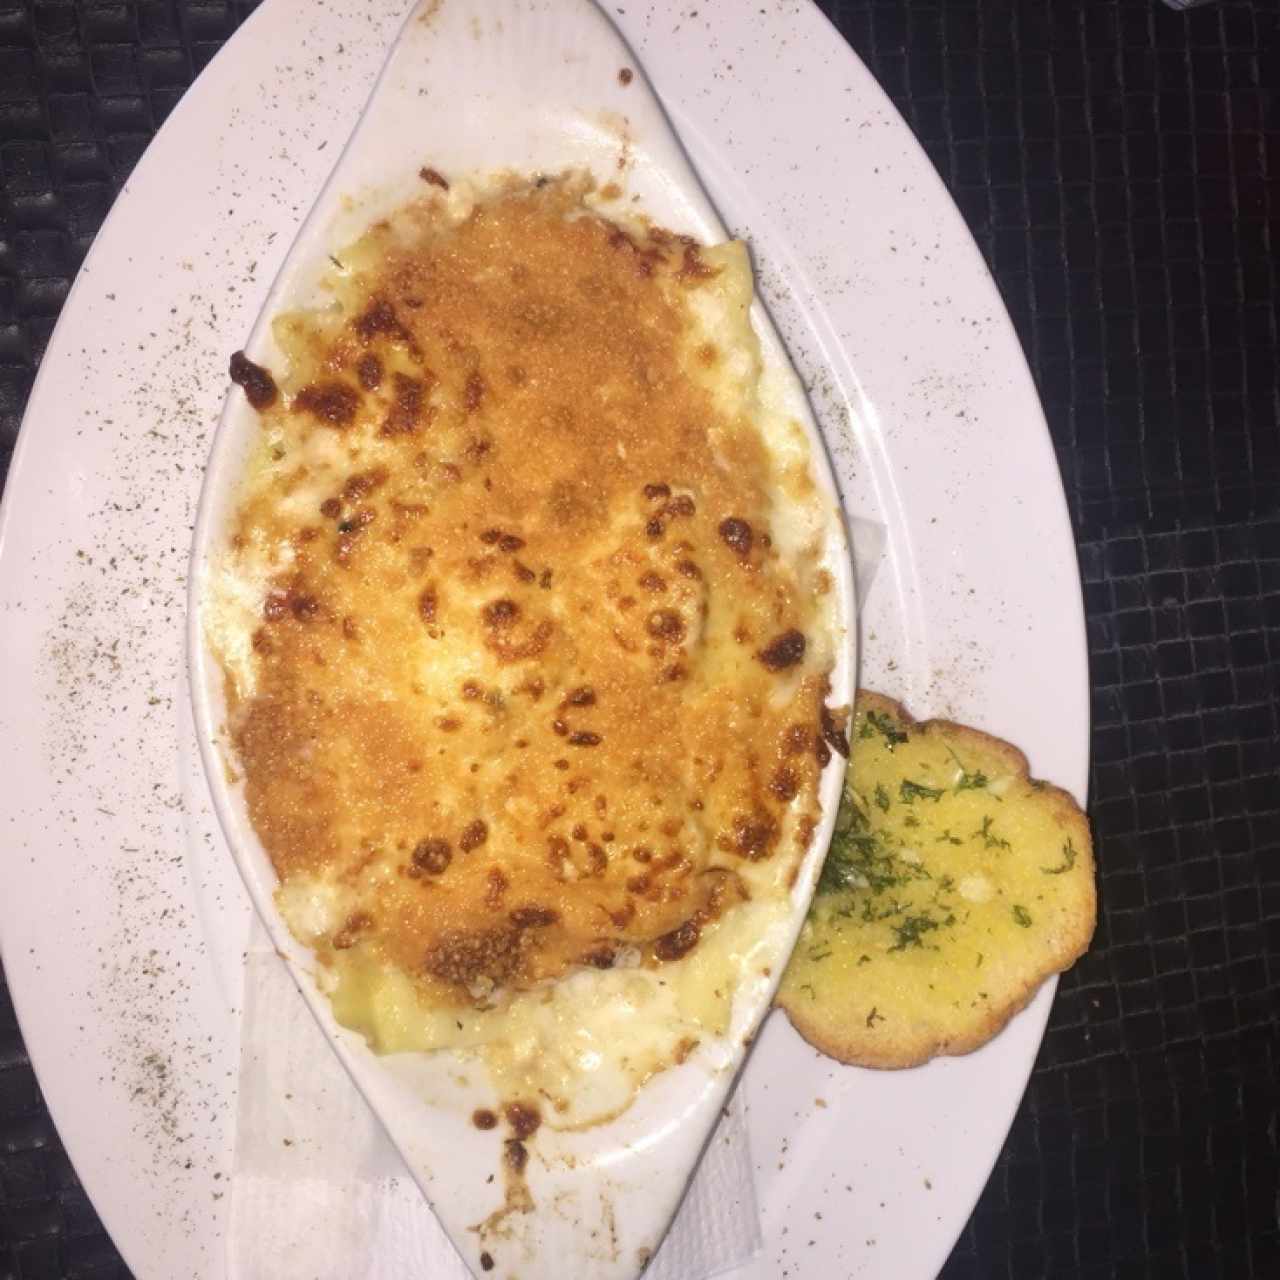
526 638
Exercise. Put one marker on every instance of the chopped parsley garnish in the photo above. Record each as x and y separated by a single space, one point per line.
882 798
860 858
1069 856
909 792
1021 915
948 837
871 916
857 860
879 722
833 876
968 781
989 838
910 933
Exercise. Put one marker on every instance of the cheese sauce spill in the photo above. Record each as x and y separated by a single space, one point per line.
526 638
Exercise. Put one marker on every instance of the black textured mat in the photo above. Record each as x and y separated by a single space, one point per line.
1119 165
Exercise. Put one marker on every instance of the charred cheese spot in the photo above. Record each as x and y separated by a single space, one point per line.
331 402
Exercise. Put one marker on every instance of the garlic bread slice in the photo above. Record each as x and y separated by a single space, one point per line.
955 884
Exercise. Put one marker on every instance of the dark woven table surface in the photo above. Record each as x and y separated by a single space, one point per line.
1119 165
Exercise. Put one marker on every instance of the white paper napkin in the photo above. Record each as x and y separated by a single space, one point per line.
868 538
319 1193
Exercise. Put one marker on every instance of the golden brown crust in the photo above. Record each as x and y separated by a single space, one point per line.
834 1027
490 680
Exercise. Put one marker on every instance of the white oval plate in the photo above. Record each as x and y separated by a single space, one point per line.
527 86
122 918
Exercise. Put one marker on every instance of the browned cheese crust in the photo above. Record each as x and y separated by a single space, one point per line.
896 965
532 687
